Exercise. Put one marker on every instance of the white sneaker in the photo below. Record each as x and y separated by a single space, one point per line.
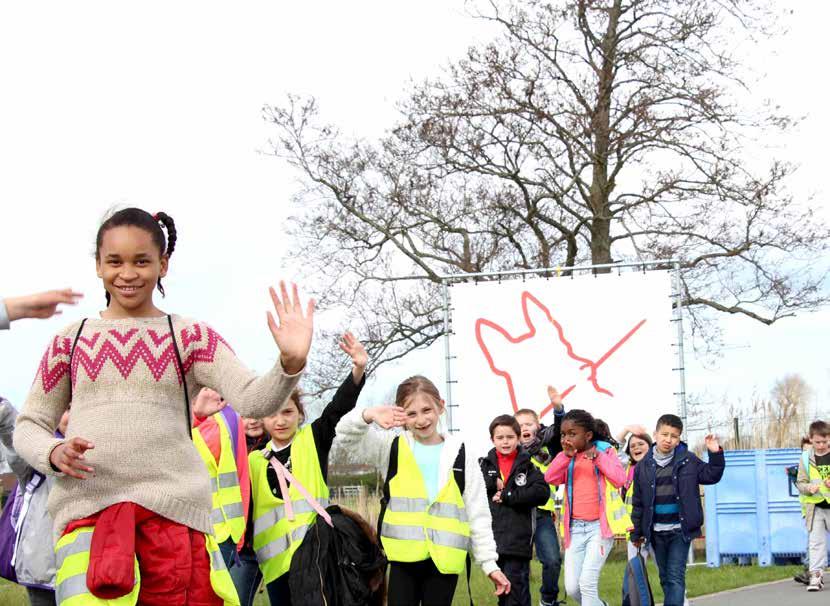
816 582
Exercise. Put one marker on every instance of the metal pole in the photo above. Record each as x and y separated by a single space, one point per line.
518 272
737 430
448 388
681 358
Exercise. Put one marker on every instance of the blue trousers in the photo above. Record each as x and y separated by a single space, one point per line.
547 552
670 553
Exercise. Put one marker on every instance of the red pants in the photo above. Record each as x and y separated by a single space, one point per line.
172 558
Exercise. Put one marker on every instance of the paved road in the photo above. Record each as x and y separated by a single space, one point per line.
786 593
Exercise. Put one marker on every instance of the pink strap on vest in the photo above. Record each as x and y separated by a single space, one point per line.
282 475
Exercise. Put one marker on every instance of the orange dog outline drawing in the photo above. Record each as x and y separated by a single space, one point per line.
585 363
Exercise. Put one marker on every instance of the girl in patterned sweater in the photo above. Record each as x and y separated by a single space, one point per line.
132 500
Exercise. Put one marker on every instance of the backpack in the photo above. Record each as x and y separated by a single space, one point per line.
339 565
636 590
8 534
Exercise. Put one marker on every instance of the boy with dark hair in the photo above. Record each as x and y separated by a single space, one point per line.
667 511
543 443
514 488
813 483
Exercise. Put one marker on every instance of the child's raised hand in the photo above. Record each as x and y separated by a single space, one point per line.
555 397
354 348
207 403
386 417
293 334
500 582
712 443
69 456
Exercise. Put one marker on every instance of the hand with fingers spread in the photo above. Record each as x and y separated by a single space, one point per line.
555 398
40 305
354 348
293 333
712 443
387 417
69 458
500 582
207 403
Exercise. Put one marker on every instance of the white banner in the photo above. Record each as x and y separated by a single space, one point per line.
605 342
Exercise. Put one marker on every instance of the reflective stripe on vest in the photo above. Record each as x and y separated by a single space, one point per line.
72 562
616 511
814 477
550 505
228 515
220 578
276 538
412 529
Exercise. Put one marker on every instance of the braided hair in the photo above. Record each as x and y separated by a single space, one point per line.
603 432
585 420
152 224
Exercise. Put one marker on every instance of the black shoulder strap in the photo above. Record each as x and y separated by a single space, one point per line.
391 472
458 468
72 355
181 372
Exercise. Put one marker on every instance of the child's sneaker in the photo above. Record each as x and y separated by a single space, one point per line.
816 582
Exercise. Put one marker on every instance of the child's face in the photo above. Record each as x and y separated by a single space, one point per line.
505 439
529 426
284 424
574 437
821 444
666 438
422 415
253 427
130 265
638 448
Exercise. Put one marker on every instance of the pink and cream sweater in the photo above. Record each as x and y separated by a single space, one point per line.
128 400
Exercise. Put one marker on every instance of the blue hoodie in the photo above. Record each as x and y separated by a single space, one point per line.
688 473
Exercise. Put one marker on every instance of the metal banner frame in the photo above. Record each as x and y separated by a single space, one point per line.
556 273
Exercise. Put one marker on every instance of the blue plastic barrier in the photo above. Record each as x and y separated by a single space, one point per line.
752 512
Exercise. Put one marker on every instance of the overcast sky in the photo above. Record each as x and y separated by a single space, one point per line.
158 105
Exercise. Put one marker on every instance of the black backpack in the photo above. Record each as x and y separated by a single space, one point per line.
339 565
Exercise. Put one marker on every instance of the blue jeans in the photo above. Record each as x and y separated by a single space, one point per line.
246 576
670 553
547 552
584 559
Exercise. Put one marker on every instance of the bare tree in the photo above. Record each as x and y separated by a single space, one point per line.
589 131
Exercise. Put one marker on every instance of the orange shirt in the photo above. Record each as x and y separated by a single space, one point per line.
585 492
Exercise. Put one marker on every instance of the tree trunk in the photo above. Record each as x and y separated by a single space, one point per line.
601 127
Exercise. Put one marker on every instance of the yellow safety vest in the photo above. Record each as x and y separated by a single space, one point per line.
227 515
618 513
412 529
72 562
276 538
550 505
814 476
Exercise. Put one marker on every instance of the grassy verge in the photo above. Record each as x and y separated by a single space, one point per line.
700 580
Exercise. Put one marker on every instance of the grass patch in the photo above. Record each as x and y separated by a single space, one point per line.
700 580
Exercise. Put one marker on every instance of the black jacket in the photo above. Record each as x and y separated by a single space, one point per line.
688 473
514 519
